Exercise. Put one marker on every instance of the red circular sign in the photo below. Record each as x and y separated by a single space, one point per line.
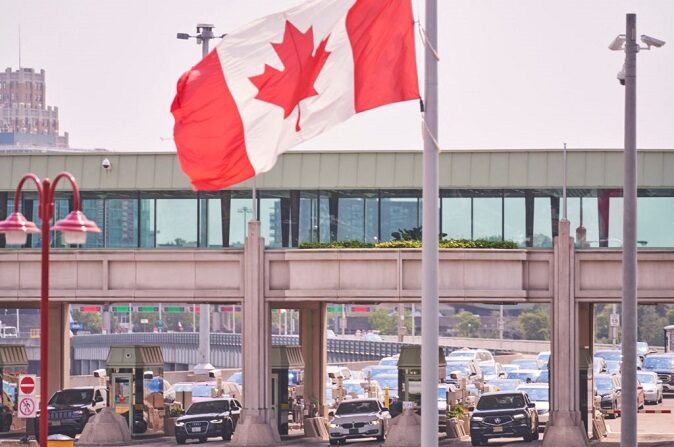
27 385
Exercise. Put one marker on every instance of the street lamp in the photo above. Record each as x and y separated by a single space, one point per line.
75 228
205 33
628 77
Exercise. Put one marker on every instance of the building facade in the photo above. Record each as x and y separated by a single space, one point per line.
25 119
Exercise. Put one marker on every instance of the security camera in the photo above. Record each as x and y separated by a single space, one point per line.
215 373
621 76
148 375
105 164
99 373
652 41
618 43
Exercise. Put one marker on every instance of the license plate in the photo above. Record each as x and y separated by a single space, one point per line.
54 422
196 429
498 429
353 431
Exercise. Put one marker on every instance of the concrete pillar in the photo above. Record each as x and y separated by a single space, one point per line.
565 426
107 320
59 346
586 347
216 317
257 426
313 325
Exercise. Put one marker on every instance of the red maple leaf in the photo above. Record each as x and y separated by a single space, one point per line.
295 82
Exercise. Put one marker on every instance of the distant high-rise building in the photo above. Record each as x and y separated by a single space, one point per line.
25 120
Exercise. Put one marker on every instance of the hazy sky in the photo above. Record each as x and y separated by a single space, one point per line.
513 73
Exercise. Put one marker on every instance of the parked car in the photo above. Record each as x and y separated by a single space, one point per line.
359 418
607 387
539 394
599 365
510 367
525 363
652 385
663 366
479 355
525 375
492 370
208 419
543 359
468 368
389 361
503 415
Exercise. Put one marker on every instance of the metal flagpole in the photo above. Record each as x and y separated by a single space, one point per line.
429 251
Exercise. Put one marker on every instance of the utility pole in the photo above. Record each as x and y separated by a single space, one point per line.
401 322
205 34
628 77
429 251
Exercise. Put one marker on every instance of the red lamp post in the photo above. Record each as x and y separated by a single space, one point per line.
75 228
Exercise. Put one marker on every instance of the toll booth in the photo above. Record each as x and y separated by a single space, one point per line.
409 372
669 338
283 359
133 371
13 361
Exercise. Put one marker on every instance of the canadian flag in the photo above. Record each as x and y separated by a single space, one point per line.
286 78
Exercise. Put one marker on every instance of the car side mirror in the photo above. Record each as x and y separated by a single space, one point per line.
99 399
471 408
331 414
531 405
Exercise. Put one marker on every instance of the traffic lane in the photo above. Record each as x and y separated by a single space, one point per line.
653 425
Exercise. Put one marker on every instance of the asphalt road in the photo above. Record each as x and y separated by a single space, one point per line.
653 427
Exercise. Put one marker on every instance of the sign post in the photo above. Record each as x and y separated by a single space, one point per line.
28 402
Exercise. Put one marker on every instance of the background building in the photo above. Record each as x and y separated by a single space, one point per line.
25 119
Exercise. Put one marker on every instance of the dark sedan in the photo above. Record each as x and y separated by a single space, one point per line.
503 415
207 419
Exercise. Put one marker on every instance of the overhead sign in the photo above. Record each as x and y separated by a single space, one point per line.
28 406
27 384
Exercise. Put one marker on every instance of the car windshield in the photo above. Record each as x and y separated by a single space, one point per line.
603 383
488 368
505 385
500 401
659 363
366 406
642 348
537 394
609 355
523 375
388 361
461 355
647 378
525 363
72 397
212 406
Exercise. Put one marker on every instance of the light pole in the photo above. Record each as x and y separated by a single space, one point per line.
75 228
628 77
203 36
245 210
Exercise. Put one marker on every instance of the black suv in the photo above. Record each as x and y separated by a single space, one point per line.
208 419
503 415
663 365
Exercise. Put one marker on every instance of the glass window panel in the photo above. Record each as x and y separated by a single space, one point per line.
514 220
308 218
655 221
214 223
121 223
590 221
615 222
94 210
271 222
397 214
241 211
542 222
176 222
487 218
147 224
351 218
456 217
324 218
371 219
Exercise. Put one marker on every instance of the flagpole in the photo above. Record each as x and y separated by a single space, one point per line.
429 251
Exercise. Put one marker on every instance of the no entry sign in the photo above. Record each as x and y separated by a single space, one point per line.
27 384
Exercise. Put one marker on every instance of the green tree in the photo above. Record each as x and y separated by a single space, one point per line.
534 324
90 321
670 315
650 325
385 320
467 324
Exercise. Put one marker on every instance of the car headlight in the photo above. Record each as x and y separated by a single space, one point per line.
518 416
179 423
216 421
542 411
375 422
332 425
477 419
77 412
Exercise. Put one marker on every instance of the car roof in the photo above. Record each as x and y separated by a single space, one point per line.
533 385
363 399
498 393
662 355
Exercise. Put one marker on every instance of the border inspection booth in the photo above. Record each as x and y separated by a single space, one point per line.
13 361
283 360
133 370
409 372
